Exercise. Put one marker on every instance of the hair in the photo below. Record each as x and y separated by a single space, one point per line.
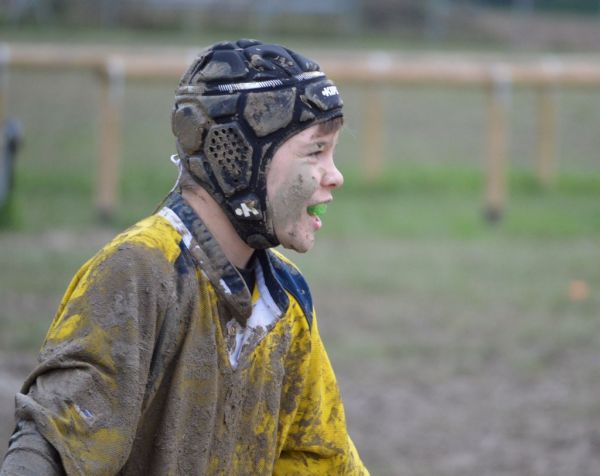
331 125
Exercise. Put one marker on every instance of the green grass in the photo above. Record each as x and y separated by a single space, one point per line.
430 191
411 201
432 182
8 214
447 202
458 306
416 294
35 272
436 322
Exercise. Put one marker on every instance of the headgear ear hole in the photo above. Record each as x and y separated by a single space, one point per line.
230 156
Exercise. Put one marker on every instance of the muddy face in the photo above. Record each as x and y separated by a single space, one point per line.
302 173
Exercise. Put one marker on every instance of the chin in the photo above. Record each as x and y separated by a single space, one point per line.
299 246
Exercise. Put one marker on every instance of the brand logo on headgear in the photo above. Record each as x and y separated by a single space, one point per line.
330 91
246 210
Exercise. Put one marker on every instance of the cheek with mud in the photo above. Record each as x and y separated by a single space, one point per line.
291 199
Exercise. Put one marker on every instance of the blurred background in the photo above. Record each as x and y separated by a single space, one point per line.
456 278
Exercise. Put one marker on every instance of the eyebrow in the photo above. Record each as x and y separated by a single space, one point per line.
318 145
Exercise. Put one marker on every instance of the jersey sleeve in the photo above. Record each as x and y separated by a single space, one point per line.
29 454
317 441
85 396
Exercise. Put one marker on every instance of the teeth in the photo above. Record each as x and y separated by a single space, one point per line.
317 210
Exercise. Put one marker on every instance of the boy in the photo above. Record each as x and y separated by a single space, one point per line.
187 345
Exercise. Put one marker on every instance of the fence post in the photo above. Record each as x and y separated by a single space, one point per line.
112 82
373 143
499 96
547 134
547 125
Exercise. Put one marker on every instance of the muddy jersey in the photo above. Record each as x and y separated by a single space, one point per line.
160 361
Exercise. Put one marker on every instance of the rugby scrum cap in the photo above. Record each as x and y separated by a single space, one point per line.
235 105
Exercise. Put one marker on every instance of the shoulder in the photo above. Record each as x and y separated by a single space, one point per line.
152 233
292 280
149 247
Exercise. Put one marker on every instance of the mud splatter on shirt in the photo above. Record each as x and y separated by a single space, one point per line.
135 375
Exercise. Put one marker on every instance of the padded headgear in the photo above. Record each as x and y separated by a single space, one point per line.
235 105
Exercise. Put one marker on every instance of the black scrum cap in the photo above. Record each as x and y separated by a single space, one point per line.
235 105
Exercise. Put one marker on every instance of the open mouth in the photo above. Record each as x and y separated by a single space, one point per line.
317 210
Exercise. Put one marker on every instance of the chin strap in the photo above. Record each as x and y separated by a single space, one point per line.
176 161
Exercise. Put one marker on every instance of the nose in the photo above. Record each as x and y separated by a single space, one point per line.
332 177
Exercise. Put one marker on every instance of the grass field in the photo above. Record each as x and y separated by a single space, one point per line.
458 346
455 356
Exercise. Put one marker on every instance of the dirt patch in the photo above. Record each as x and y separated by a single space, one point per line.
435 422
453 359
417 406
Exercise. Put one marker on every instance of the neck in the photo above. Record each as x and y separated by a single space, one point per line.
211 214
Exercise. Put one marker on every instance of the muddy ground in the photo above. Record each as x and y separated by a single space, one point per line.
424 424
442 372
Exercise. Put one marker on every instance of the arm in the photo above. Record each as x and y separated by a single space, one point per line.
30 454
317 441
85 396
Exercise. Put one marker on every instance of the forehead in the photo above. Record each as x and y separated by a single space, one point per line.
313 135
